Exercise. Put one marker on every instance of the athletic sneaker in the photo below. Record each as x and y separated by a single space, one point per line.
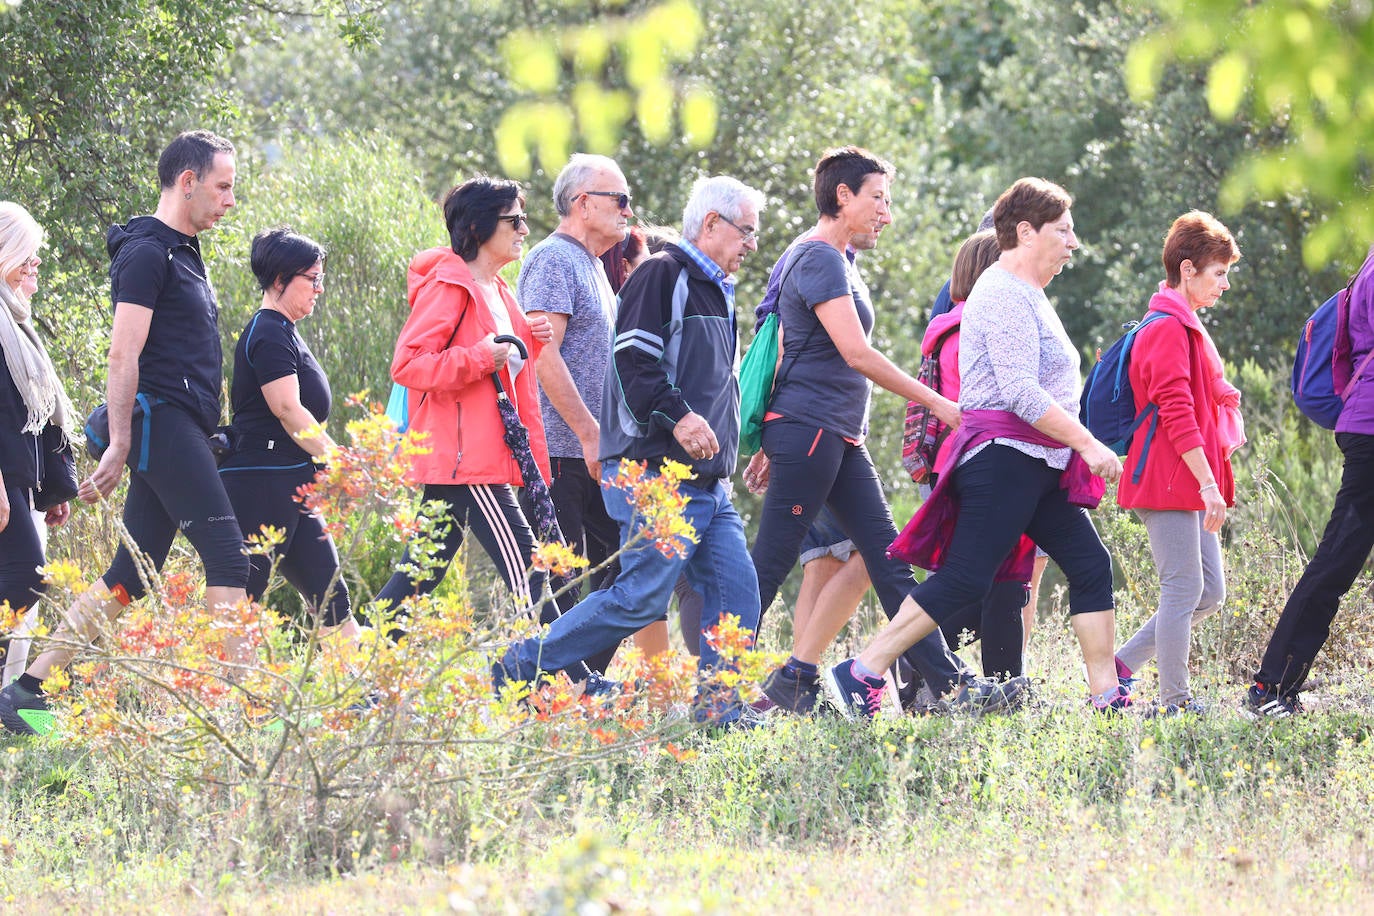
857 697
15 698
1124 678
1259 703
981 695
791 690
1113 702
1191 707
597 685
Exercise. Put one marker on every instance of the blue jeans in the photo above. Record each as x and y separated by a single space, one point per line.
717 567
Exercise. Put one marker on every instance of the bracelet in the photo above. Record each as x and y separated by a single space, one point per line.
1210 486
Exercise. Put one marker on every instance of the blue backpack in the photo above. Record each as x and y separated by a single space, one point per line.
1107 405
1322 374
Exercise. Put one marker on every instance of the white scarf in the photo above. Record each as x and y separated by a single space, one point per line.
30 367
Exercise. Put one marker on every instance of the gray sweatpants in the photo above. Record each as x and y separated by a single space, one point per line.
1191 587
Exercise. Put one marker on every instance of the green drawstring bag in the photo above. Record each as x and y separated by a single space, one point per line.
756 383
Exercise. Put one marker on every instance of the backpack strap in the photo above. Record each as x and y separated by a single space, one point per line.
796 354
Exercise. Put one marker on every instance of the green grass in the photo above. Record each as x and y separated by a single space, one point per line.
1052 808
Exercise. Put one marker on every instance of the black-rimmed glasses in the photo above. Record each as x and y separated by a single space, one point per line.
622 200
750 235
316 280
516 220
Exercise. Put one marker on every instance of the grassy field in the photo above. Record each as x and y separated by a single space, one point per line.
166 794
1048 809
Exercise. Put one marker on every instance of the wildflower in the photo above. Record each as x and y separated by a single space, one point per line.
558 559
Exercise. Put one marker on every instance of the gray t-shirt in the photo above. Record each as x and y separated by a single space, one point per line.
816 384
1015 355
560 275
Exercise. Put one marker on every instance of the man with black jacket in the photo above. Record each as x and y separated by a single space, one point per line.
671 394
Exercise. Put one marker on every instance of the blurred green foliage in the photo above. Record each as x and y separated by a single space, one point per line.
1301 65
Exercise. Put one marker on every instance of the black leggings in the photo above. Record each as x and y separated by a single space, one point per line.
178 490
306 557
996 622
812 467
21 554
494 515
1004 493
1305 623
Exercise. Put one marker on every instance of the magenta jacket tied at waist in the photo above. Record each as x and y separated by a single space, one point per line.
926 537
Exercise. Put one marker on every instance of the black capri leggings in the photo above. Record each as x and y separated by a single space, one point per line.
307 557
1004 493
177 490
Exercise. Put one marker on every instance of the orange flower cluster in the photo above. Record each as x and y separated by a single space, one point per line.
368 477
658 504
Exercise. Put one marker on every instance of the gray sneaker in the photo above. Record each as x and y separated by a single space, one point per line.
982 695
1193 708
23 712
792 691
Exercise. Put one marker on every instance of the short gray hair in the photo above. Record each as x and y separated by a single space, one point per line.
720 194
576 175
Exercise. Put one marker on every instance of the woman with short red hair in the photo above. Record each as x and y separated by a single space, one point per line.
1178 480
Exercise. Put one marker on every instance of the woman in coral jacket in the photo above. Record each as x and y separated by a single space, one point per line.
1179 479
446 356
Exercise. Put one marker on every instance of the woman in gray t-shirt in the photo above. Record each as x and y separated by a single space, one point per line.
813 431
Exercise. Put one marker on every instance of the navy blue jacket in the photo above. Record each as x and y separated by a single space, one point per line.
18 449
673 354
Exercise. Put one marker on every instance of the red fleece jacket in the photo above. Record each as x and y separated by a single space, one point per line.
1174 365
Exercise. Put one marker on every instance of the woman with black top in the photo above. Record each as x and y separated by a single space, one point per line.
31 398
281 399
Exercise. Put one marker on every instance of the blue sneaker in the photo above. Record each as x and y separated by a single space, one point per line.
1258 703
1191 707
857 697
1113 702
596 685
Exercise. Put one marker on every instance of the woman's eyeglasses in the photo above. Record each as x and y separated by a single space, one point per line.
516 220
316 280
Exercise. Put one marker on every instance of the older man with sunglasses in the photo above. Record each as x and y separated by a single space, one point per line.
562 277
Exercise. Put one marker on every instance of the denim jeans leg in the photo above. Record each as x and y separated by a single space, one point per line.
722 571
638 597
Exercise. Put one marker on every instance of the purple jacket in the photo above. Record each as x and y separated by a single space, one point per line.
1358 414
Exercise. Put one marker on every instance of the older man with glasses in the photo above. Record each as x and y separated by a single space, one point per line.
671 393
563 278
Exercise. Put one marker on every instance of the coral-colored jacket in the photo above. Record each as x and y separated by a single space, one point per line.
452 395
1174 364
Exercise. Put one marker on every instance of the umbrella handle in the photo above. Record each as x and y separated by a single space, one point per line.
516 342
524 354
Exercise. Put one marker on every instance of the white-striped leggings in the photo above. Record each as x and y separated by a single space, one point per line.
493 514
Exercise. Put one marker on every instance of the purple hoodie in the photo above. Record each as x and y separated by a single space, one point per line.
1358 414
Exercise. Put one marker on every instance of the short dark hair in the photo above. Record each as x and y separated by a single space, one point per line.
281 253
614 259
472 209
1198 237
195 150
977 254
848 166
1029 200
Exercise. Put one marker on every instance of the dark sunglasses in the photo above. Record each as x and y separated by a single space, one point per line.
622 200
516 220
